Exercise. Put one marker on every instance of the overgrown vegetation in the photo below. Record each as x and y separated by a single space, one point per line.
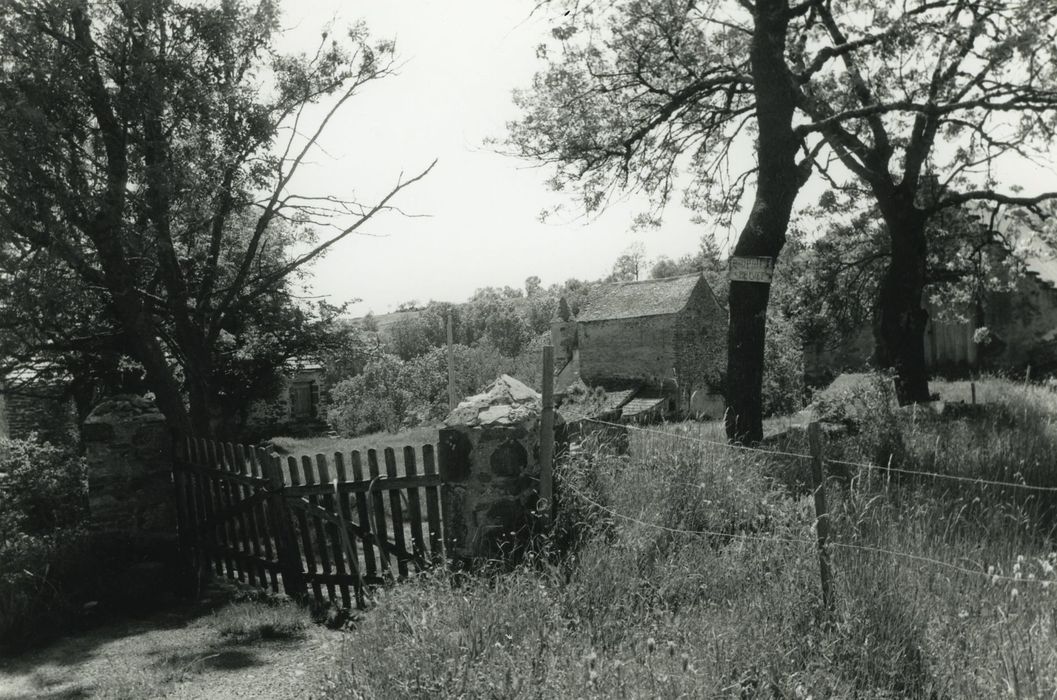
43 560
692 572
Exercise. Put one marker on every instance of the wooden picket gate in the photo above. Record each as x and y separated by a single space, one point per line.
312 525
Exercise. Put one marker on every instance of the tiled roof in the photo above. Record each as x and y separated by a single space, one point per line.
640 406
636 299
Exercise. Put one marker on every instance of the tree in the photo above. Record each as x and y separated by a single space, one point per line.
645 86
628 265
151 148
921 102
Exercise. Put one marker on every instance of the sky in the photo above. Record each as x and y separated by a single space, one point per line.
459 60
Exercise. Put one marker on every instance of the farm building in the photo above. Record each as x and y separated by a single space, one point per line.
654 346
47 412
1007 327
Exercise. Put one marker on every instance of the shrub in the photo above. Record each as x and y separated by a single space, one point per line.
42 488
43 552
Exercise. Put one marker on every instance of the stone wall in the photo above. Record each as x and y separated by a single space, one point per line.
52 418
700 345
627 348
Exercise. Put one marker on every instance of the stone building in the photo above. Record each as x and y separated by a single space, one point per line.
652 345
46 411
1007 327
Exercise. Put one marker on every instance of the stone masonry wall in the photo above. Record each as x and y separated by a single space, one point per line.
128 448
700 345
489 461
51 418
632 348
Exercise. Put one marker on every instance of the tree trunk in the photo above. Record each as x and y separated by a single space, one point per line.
146 348
778 182
900 318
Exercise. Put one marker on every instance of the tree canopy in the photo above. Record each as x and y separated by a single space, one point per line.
148 150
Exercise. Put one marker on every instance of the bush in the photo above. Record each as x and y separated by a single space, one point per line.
43 560
43 488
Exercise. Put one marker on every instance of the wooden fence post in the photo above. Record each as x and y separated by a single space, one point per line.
451 367
279 518
821 514
546 492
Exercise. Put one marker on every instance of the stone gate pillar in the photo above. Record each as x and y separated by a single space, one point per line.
131 499
489 461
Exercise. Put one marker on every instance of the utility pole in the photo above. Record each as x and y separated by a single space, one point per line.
451 368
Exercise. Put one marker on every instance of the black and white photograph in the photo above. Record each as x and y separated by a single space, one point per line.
529 349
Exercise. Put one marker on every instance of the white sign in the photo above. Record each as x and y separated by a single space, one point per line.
750 269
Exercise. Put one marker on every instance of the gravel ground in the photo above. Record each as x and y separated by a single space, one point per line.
178 654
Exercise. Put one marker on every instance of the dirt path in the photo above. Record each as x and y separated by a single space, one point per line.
178 654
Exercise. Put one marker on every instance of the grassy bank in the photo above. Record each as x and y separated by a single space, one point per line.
689 570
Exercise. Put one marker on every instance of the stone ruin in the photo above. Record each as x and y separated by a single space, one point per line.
489 461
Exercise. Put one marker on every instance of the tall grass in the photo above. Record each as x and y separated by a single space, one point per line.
689 570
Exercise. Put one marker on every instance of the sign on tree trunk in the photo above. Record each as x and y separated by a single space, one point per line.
746 269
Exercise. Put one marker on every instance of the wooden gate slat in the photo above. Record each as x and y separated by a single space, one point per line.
242 520
337 549
307 550
230 526
429 466
280 524
363 514
414 505
378 505
396 510
254 533
263 522
322 546
210 500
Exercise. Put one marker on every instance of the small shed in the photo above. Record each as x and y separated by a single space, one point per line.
650 344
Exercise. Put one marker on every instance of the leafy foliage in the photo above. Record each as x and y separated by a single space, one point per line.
148 153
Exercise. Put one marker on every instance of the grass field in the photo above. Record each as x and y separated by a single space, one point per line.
689 570
416 437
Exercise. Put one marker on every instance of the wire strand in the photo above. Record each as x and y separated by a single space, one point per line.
861 465
993 577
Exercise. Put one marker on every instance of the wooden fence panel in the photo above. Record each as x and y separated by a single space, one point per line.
306 526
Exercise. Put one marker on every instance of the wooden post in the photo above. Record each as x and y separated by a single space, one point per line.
546 493
451 368
972 390
279 519
821 514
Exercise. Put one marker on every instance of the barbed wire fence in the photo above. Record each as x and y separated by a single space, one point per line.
824 543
